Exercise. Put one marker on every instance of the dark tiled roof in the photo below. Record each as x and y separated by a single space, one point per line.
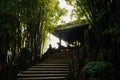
71 32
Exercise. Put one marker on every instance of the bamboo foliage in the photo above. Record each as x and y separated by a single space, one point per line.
28 24
104 18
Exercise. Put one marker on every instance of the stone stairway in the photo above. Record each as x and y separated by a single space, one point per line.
55 67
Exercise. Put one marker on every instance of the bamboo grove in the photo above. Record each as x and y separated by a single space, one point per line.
104 19
26 23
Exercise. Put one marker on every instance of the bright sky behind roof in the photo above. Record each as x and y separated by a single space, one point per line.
52 39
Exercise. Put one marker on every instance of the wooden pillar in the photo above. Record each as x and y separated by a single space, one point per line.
60 39
86 42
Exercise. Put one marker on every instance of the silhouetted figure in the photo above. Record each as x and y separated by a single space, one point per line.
50 46
50 49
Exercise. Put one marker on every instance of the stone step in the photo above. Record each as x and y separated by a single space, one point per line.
58 58
44 72
41 75
48 69
50 59
55 67
56 62
50 66
42 78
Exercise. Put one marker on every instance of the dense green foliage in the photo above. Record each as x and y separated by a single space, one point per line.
96 69
25 23
104 34
103 17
